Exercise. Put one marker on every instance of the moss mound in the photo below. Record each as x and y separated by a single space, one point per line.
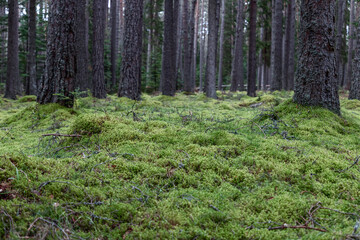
29 98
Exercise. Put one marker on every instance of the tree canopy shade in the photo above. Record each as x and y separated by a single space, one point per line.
58 83
316 78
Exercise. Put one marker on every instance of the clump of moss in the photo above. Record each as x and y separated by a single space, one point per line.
89 124
350 104
29 98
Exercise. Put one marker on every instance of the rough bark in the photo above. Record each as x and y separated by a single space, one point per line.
31 88
237 75
168 73
114 42
348 75
131 62
316 78
82 75
276 46
221 45
13 86
339 37
99 25
251 91
58 83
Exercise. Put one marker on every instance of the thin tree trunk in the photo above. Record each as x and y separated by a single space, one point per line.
288 63
339 37
252 50
276 46
31 88
121 24
202 46
114 42
221 45
348 75
214 9
237 74
355 85
13 86
130 84
195 44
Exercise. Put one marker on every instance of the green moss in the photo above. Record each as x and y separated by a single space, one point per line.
350 104
29 98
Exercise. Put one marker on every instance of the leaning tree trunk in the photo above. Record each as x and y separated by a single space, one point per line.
214 9
168 73
99 25
276 46
251 91
31 88
58 83
316 78
130 84
13 86
237 75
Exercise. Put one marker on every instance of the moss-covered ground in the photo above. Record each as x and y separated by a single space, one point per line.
186 167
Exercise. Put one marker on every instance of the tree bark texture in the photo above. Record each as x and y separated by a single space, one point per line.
58 83
348 75
13 86
339 36
221 45
276 46
237 75
355 83
214 9
131 62
31 88
316 78
99 25
251 91
82 75
168 73
114 42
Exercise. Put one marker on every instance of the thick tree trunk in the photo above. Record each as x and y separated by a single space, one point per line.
316 79
237 75
221 45
99 25
58 83
214 9
130 84
348 75
114 42
31 88
251 91
82 75
276 46
339 37
168 73
13 86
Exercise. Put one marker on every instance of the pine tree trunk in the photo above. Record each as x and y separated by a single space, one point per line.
31 88
13 86
168 74
121 25
196 33
276 46
82 75
58 83
114 43
355 83
289 50
252 50
339 37
130 84
2 46
99 25
221 45
237 75
348 75
202 46
149 44
316 79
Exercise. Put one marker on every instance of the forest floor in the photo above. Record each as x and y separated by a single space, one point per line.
186 167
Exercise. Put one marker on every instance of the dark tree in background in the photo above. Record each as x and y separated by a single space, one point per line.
13 86
99 25
214 10
58 83
316 78
355 83
132 47
31 84
251 91
168 73
114 40
276 45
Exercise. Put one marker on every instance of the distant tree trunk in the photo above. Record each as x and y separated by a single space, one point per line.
221 45
149 44
130 84
2 45
252 50
82 75
121 24
237 75
13 76
316 79
195 39
348 75
214 9
288 63
168 73
339 37
114 43
58 83
355 83
276 46
202 46
31 88
99 25
179 55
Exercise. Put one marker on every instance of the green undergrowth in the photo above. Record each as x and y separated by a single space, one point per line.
183 167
